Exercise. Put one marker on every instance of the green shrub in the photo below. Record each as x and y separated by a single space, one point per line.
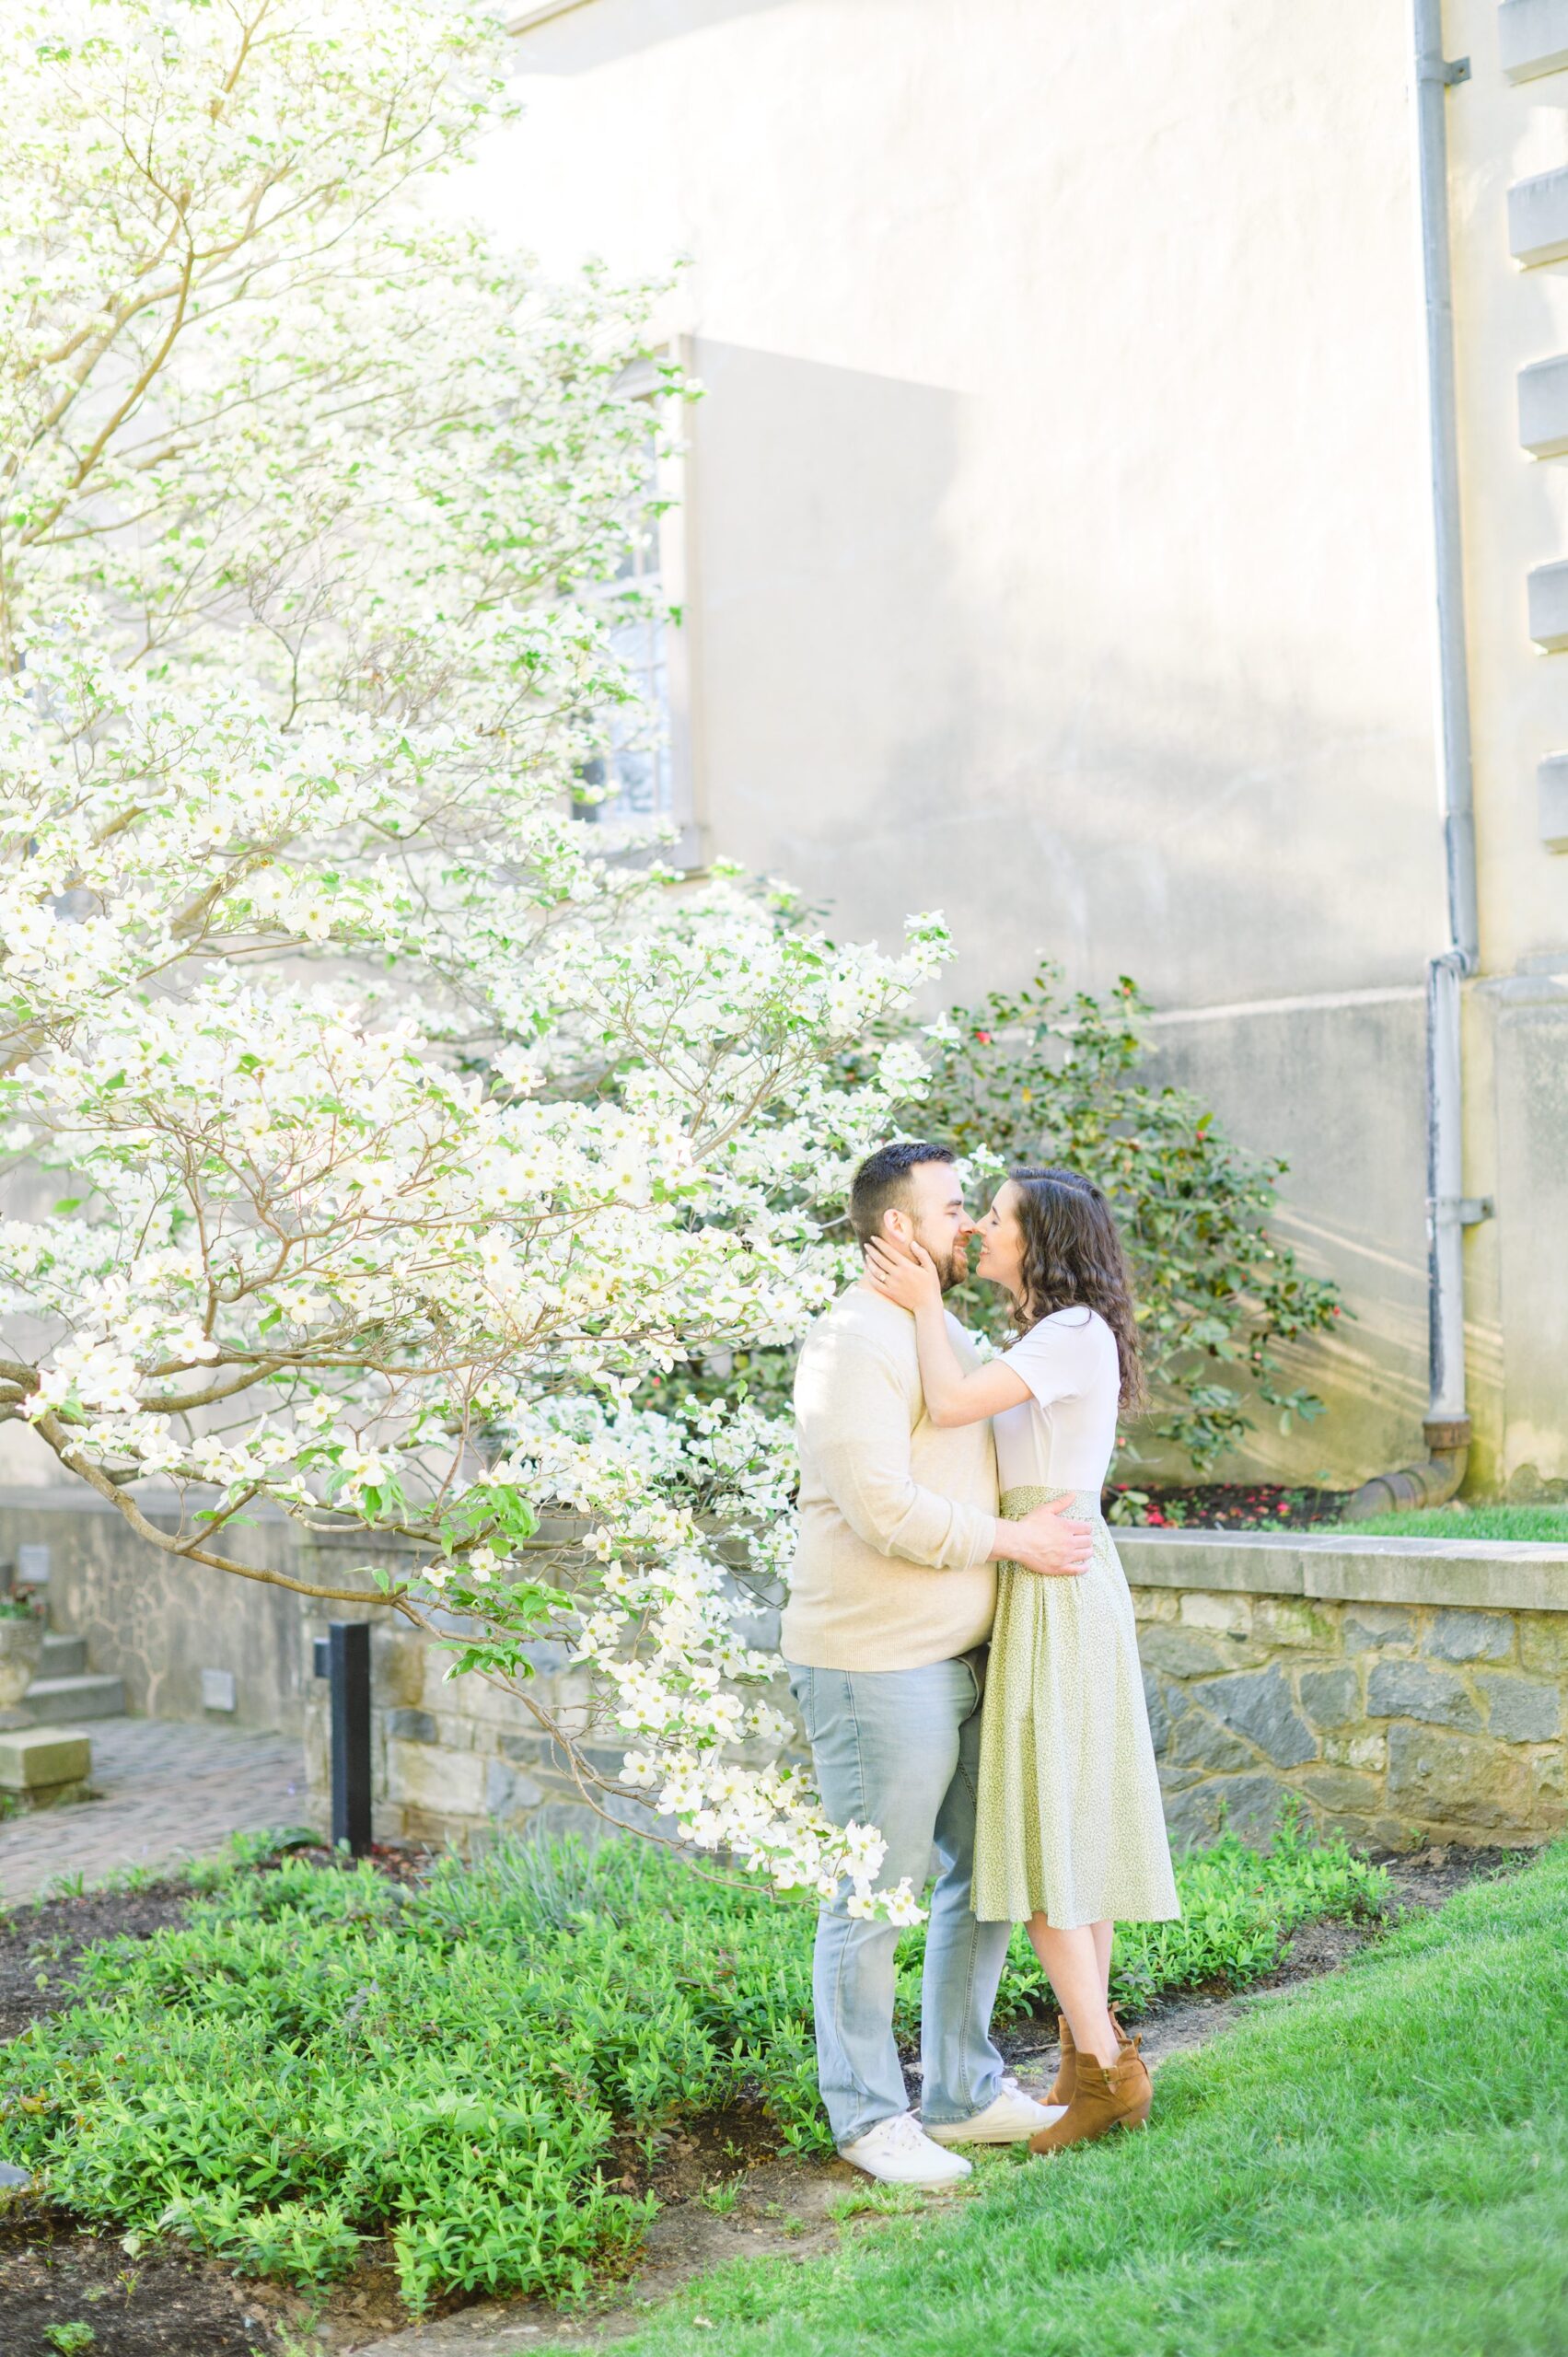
1038 1076
1042 1078
318 2054
287 2238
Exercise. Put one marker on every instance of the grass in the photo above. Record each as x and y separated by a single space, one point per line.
472 2066
1377 2163
1544 1526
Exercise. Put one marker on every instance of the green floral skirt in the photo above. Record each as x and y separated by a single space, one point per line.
1070 1820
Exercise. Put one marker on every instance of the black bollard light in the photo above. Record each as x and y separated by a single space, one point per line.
342 1657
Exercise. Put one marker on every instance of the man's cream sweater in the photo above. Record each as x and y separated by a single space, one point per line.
897 1516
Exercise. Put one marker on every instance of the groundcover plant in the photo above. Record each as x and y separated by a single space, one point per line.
469 2064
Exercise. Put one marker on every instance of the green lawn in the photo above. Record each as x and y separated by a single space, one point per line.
1375 2165
319 2055
1546 1526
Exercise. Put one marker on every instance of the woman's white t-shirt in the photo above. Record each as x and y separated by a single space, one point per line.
1063 1437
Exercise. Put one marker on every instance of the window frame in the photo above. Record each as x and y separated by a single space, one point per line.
644 380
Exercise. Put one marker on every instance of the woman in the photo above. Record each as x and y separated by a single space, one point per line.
1070 1833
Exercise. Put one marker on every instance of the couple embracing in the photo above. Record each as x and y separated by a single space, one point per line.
960 1643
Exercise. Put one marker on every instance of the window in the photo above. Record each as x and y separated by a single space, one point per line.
643 772
634 769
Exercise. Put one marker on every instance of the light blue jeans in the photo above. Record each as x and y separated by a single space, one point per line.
899 1750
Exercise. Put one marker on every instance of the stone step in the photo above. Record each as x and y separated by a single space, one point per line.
60 1702
64 1657
45 1764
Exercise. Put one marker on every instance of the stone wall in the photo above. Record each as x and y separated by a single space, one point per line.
1398 1689
451 1760
1403 1688
157 1620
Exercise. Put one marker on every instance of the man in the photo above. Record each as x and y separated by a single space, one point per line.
892 1596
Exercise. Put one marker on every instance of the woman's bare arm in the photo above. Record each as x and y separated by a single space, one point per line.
952 1396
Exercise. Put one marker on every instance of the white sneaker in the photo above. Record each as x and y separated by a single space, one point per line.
1009 2119
898 2151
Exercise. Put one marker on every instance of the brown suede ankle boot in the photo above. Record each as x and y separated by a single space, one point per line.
1062 2086
1066 2077
1101 2100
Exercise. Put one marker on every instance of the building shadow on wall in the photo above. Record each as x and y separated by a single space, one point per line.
894 725
598 32
901 708
820 548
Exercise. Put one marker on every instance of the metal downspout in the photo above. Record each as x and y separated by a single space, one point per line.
1447 1423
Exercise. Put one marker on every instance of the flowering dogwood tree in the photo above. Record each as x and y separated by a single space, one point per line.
383 1128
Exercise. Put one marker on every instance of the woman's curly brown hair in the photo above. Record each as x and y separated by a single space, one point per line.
1073 1258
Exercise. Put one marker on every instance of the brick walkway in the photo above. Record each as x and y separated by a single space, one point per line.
168 1792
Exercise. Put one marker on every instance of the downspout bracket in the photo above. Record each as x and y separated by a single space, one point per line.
1447 71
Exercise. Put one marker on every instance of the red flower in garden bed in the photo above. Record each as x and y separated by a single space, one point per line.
1238 1505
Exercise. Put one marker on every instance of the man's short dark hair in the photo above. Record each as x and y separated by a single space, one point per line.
882 1183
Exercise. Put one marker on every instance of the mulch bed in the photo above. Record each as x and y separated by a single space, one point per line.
1229 1505
160 2303
163 2302
40 1944
41 1940
404 1862
55 2274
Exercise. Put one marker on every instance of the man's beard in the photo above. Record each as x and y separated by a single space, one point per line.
952 1265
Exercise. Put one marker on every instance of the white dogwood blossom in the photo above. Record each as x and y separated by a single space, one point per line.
376 1131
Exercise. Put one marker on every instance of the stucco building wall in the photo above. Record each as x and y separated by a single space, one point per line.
1057 552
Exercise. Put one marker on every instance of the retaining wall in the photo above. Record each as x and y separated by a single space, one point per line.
1398 1687
158 1620
1402 1688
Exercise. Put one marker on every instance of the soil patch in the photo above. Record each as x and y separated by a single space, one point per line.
39 1944
723 2190
41 1939
403 1862
161 2304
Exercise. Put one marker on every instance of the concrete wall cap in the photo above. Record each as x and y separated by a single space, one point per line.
1532 38
1538 218
153 1499
31 1758
1518 1576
